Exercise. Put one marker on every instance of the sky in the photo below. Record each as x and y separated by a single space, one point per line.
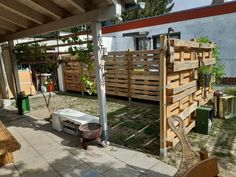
188 4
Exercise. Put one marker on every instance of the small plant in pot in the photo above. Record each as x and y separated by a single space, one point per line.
205 76
210 75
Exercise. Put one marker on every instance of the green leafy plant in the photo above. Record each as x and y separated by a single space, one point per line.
83 53
37 52
217 70
31 52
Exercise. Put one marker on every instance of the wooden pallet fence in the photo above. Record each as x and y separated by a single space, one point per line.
73 71
144 74
132 74
117 76
182 93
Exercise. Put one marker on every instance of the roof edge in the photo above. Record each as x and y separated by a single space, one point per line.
201 12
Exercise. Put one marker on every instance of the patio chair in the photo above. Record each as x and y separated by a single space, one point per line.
192 164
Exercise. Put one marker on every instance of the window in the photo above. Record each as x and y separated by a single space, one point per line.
141 43
156 39
141 40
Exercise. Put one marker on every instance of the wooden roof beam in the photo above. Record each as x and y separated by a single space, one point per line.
14 18
110 1
51 8
78 4
23 11
8 25
3 31
101 14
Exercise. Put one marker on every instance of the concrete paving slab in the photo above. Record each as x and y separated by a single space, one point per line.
97 159
35 168
9 171
122 170
161 170
78 171
120 153
61 160
47 153
142 161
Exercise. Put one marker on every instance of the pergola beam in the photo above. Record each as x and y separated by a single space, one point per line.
78 4
51 8
3 31
23 10
8 25
109 1
14 18
101 14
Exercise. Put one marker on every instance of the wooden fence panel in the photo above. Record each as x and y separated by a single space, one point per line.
72 76
117 76
182 92
132 74
144 75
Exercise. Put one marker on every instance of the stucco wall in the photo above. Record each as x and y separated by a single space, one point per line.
221 29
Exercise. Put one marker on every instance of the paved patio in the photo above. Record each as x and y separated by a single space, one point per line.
47 153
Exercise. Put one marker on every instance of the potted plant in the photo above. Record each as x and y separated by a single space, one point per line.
210 75
204 76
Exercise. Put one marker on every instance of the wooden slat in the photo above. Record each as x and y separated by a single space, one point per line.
187 112
174 98
145 97
206 62
157 78
185 65
182 43
206 46
172 91
173 142
144 87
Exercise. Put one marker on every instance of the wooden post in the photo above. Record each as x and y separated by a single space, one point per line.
163 82
97 49
129 73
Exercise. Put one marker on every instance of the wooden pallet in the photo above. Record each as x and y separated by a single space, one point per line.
182 93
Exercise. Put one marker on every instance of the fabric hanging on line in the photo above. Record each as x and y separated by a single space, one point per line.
9 70
4 94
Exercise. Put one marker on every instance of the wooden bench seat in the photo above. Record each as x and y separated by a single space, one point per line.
8 144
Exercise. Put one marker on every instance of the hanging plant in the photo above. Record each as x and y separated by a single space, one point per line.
205 76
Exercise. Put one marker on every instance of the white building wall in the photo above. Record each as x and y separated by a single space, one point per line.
221 29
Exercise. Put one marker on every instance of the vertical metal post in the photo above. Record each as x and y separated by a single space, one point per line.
98 53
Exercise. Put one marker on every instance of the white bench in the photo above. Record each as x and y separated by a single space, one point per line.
76 117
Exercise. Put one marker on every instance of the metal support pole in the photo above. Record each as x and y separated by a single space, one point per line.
99 66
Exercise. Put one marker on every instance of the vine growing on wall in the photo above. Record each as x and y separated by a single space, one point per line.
83 52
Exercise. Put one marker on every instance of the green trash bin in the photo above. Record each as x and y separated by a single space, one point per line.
23 104
204 118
